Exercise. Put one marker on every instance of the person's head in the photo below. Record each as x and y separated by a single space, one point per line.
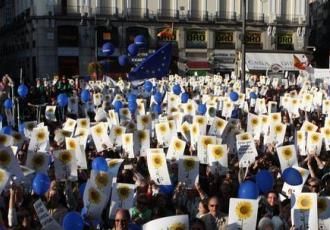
122 218
203 207
213 205
53 196
142 201
313 185
197 224
272 198
265 223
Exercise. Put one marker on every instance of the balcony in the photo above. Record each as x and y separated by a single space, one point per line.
197 16
291 19
255 17
225 16
136 14
106 11
167 15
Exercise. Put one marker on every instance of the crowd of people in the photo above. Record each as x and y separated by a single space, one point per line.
207 203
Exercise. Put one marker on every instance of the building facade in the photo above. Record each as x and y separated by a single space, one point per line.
59 36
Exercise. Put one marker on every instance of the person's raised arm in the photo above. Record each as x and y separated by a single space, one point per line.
12 216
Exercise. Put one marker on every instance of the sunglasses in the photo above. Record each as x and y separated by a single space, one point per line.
121 220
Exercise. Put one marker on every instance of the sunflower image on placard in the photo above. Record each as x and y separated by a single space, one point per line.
228 105
304 202
287 153
127 140
220 124
243 211
112 163
194 130
264 120
170 125
70 123
326 133
254 122
118 131
4 140
5 158
124 112
156 161
145 120
83 123
294 101
315 138
185 129
162 129
72 144
173 110
38 161
50 110
309 128
178 146
65 157
322 205
308 98
206 141
141 136
188 164
81 133
278 130
300 136
217 152
123 192
99 131
177 226
326 103
94 196
189 108
201 121
244 137
275 117
41 136
101 179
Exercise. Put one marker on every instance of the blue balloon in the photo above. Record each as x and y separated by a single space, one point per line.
132 226
6 130
157 109
233 96
1 118
22 90
201 109
166 189
132 106
82 189
100 164
62 100
139 40
133 49
108 49
265 181
131 97
253 95
248 190
123 60
158 97
292 176
176 89
147 86
40 184
73 221
8 104
85 95
118 105
184 97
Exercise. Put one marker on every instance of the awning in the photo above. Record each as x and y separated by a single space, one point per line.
198 65
264 61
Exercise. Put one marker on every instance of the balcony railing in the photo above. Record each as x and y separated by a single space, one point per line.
225 16
289 19
196 15
136 13
166 14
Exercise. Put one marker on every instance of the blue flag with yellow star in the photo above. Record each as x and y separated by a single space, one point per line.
156 65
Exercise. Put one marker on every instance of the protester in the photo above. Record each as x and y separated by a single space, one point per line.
142 154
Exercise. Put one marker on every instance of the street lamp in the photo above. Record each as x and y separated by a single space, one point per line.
243 8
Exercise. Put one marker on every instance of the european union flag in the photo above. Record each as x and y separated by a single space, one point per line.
156 65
